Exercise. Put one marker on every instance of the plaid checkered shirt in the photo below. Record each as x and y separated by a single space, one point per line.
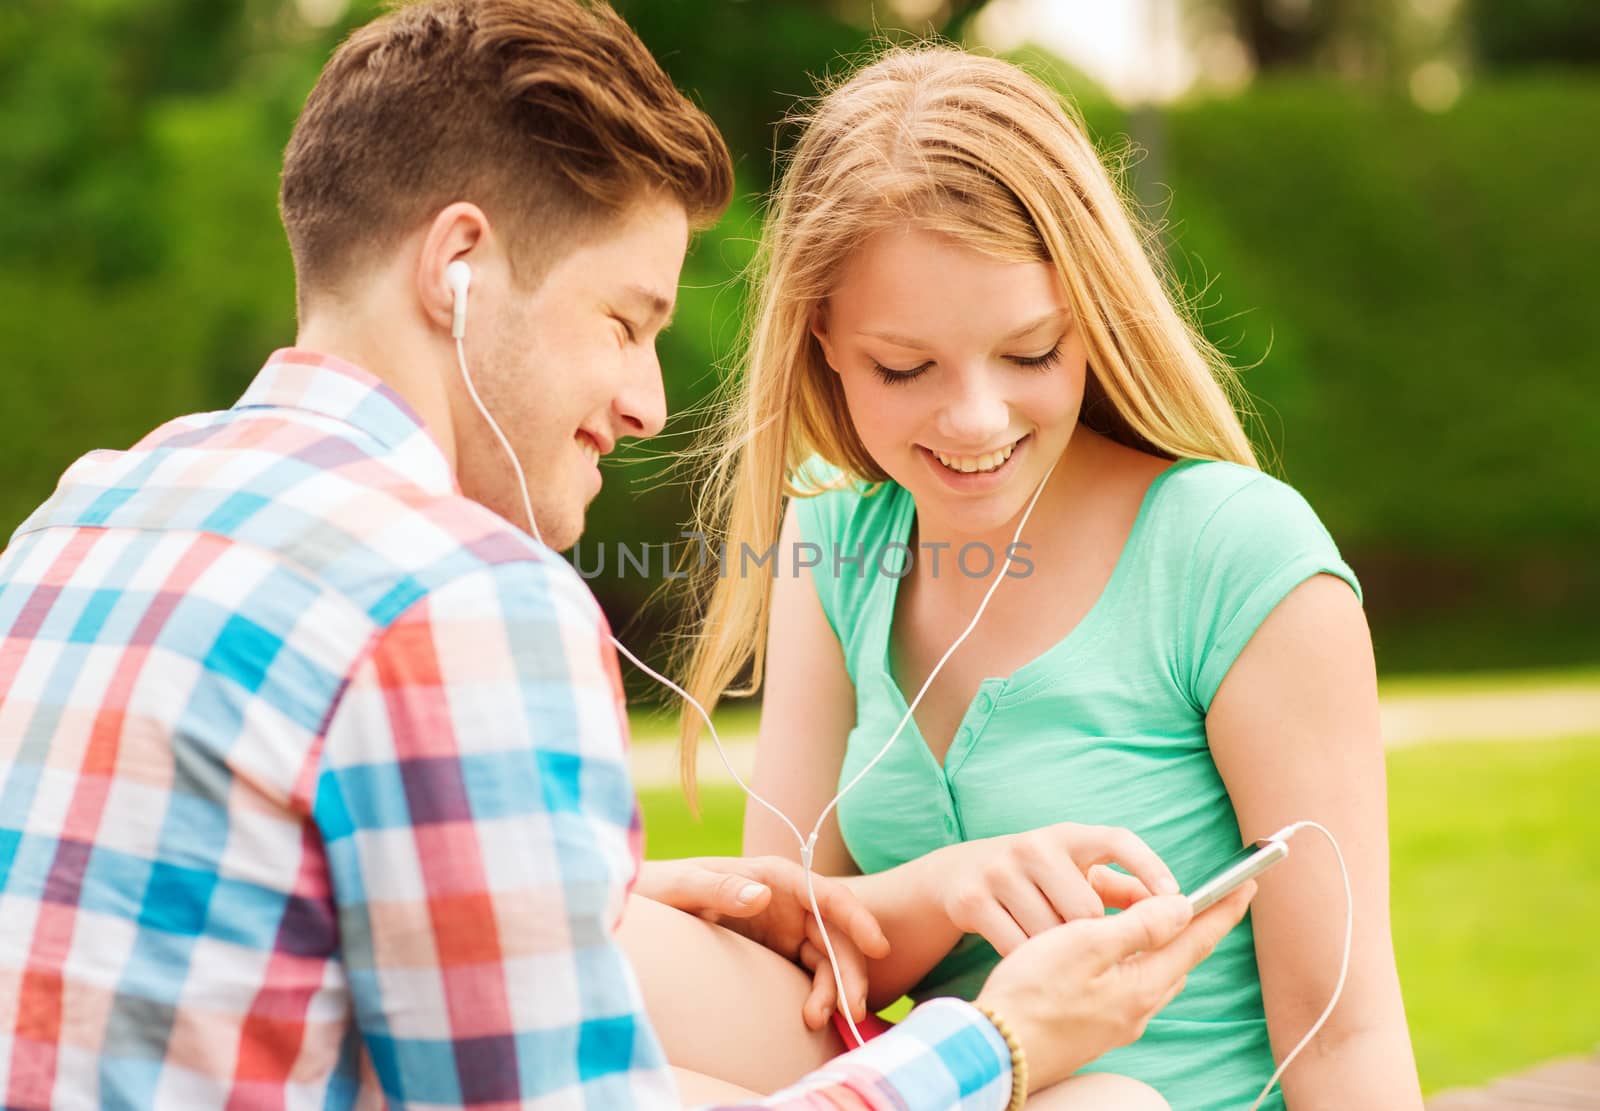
314 791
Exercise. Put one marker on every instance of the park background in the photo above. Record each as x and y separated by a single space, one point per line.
1386 210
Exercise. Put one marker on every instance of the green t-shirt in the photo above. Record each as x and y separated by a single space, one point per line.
1107 727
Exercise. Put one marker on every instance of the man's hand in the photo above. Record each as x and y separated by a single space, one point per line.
764 898
1073 992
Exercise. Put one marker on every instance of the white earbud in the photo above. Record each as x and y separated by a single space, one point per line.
459 275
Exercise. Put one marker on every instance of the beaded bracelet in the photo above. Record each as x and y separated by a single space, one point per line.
1019 1060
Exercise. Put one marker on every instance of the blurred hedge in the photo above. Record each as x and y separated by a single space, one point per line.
1418 292
1413 287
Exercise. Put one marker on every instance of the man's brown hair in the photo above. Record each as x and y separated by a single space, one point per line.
547 114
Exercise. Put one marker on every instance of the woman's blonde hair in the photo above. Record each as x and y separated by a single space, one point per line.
975 148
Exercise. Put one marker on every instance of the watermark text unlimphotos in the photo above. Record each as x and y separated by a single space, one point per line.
974 560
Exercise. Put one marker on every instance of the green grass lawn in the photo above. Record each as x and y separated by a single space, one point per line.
737 719
740 719
1489 682
1496 853
1497 903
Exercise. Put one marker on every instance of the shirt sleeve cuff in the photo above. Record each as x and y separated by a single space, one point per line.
945 1054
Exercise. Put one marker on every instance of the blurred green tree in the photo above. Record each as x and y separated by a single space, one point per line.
1418 283
1535 32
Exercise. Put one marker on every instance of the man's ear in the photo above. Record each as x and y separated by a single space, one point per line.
459 231
819 328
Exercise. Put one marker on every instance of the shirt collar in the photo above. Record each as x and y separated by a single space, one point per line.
298 378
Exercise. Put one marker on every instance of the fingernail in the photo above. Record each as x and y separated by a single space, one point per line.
750 892
1166 885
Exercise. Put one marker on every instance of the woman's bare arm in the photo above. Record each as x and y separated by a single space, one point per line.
1295 734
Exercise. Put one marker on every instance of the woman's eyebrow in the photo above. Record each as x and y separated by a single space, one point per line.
1034 325
889 337
1027 329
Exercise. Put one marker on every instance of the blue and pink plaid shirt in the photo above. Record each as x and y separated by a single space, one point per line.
314 792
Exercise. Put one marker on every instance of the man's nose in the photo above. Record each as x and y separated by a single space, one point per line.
640 406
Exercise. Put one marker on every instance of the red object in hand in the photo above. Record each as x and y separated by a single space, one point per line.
870 1028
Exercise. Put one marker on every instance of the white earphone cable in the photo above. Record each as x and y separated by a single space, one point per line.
971 625
1344 965
808 844
505 445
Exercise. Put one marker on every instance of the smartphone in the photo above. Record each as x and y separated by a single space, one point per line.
1248 863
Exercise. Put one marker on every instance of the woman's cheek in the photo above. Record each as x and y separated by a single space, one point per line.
880 413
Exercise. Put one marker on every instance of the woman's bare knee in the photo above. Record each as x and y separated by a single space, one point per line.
1099 1091
723 1005
696 1089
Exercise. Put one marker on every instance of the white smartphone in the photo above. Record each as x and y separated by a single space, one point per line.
1248 863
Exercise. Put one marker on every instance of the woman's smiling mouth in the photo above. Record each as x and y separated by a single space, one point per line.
974 472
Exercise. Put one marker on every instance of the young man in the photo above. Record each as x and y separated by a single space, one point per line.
313 787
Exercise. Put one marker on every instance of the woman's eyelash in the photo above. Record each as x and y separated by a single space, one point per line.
1034 362
1043 362
895 377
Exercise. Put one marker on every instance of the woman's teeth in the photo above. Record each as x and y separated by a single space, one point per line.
590 451
977 464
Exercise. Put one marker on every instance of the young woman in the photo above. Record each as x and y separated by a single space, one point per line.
953 304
